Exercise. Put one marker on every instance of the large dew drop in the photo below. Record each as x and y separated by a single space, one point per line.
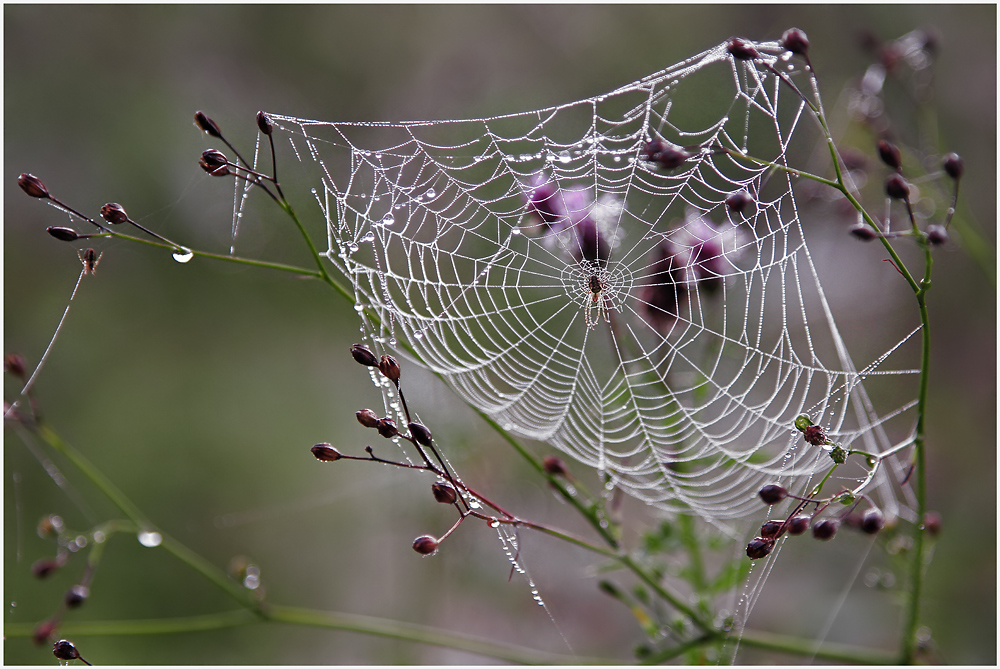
183 255
149 539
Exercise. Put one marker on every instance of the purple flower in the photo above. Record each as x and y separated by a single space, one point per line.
572 219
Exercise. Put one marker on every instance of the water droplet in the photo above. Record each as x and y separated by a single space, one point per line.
359 307
418 334
99 537
13 605
617 159
507 427
368 237
388 219
352 247
494 524
149 539
392 341
430 194
183 255
312 190
515 231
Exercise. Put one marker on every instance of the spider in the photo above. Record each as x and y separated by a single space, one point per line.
598 301
89 258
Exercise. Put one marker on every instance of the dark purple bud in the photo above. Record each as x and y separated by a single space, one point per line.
420 434
444 493
32 185
795 41
425 545
76 596
872 521
664 155
863 232
798 524
815 435
739 201
554 466
212 159
264 123
44 567
63 234
367 417
953 165
14 364
759 547
207 124
826 528
772 493
772 529
114 214
741 49
44 631
326 453
889 153
897 188
363 355
932 523
389 368
387 428
66 651
49 525
937 235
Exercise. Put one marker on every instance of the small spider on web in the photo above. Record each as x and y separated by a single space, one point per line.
598 302
90 260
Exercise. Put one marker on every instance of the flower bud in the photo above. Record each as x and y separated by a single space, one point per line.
76 596
815 435
363 355
44 567
741 49
937 235
932 523
889 153
772 493
367 417
664 155
425 545
389 368
872 521
953 165
420 434
772 529
64 650
32 185
113 213
264 123
795 41
387 427
759 547
738 201
444 493
825 529
326 453
863 232
554 466
213 158
896 187
44 630
13 363
798 524
63 234
207 124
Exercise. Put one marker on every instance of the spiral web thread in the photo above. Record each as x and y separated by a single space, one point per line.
680 377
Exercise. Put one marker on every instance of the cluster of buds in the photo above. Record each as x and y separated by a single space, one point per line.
797 522
215 162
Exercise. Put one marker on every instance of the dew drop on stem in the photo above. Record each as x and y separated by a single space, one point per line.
183 255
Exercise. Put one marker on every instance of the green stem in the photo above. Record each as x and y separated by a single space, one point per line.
808 648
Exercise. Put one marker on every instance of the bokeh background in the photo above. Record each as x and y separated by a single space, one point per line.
199 388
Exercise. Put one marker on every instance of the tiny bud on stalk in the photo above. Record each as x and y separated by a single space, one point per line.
772 493
32 185
897 188
389 368
795 41
872 521
367 417
207 124
326 453
863 232
554 466
738 201
759 547
425 545
825 529
114 213
387 428
953 165
363 355
63 234
889 153
937 235
76 596
932 523
798 525
444 493
420 434
64 650
44 567
264 123
664 155
772 529
741 49
14 364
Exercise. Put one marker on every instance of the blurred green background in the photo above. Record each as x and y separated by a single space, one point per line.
199 388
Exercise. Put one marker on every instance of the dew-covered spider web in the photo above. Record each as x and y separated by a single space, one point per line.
576 273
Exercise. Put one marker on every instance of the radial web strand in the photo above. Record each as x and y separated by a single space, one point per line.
570 281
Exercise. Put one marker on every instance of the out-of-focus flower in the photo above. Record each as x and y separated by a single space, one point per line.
573 219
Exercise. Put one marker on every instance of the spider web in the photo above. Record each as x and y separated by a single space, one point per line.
583 295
